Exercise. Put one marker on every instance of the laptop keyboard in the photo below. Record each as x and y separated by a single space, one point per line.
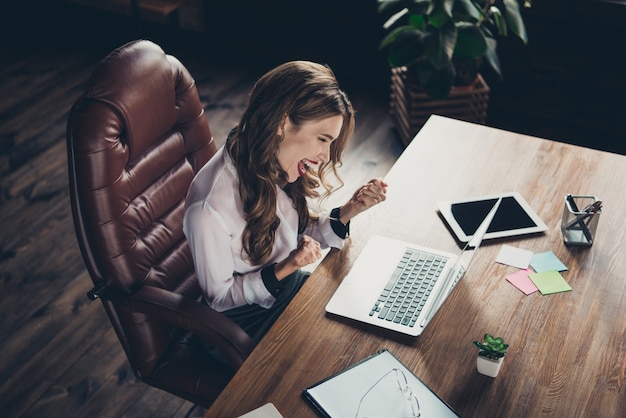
408 288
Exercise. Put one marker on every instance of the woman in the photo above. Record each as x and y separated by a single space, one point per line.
246 218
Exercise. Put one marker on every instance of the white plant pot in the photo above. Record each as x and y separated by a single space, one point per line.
488 367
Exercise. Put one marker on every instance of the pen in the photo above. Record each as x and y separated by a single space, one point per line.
593 207
572 204
585 227
589 210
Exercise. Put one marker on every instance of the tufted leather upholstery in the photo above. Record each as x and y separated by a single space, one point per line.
136 138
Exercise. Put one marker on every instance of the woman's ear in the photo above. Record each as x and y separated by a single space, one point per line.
282 127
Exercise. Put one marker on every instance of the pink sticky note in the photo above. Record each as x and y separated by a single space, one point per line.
521 280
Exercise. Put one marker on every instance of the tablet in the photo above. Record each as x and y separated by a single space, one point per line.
514 216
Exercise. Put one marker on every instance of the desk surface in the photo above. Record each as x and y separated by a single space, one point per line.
567 354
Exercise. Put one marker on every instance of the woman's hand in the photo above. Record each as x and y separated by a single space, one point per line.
307 252
366 196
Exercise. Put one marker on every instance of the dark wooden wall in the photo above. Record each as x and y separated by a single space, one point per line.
567 84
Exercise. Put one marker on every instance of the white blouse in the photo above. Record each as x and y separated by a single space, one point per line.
214 223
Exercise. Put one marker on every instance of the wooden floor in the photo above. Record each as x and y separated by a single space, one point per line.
59 356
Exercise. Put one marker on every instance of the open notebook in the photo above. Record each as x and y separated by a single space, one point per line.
399 285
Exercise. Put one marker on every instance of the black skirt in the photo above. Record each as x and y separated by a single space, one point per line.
256 320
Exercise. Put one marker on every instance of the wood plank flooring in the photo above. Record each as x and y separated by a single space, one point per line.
60 357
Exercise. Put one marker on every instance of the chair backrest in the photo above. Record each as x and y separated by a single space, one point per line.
136 138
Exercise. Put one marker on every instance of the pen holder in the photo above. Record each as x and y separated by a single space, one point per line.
580 219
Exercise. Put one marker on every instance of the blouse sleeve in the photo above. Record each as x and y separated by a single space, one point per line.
210 243
328 231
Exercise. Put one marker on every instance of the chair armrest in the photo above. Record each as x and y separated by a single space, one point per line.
200 319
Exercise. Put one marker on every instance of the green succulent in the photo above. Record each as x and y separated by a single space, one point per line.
493 348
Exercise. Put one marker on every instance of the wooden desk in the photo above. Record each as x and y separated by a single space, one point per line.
567 355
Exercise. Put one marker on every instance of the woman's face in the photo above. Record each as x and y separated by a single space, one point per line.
306 146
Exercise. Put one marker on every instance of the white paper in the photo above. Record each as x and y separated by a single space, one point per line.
513 256
266 411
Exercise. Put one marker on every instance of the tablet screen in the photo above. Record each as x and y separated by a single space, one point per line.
513 217
510 215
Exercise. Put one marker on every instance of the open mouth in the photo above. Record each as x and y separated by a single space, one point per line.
305 165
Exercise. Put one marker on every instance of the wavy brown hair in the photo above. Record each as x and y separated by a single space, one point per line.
304 91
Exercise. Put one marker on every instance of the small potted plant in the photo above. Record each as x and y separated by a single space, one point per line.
491 355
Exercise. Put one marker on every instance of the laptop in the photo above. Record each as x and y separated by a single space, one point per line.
417 278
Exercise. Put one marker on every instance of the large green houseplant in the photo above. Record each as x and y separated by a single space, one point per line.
445 42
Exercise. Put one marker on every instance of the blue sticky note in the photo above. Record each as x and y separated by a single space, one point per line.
546 261
549 282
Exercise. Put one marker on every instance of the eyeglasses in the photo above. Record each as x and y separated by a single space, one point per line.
404 387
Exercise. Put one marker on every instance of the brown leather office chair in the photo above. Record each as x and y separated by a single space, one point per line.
135 139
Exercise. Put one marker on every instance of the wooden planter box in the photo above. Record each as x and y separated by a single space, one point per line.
410 107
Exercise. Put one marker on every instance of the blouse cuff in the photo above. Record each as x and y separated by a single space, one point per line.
273 285
340 229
